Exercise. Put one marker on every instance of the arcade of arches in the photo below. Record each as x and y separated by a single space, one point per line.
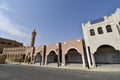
73 56
72 52
52 57
107 54
38 58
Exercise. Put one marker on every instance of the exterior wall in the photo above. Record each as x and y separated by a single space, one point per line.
42 51
75 44
107 38
14 54
39 49
29 50
112 38
53 47
56 47
60 51
5 43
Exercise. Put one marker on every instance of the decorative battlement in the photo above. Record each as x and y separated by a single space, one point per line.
97 21
115 16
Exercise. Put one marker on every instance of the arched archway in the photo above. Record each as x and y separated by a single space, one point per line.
24 55
28 54
38 58
28 57
73 56
106 54
52 57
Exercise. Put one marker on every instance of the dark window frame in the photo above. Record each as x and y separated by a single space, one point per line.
92 32
100 30
108 28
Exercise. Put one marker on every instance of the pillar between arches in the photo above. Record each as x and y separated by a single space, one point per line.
88 57
42 62
46 59
93 61
63 60
83 60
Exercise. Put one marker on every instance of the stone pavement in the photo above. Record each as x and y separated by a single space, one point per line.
21 72
101 68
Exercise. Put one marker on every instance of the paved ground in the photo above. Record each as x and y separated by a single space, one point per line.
20 72
100 67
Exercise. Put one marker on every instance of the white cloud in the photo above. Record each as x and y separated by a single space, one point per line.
6 25
9 26
4 6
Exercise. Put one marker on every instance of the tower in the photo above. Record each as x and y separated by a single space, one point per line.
33 38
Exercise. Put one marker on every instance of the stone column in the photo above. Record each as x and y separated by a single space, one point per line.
63 60
34 59
25 60
58 64
83 60
88 57
42 59
93 61
46 59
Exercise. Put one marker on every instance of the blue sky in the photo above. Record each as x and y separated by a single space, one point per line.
54 20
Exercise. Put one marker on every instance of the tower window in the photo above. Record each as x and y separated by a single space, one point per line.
92 32
100 31
108 28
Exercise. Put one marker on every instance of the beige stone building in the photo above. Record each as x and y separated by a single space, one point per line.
101 45
20 54
102 40
73 52
70 51
7 43
16 54
39 55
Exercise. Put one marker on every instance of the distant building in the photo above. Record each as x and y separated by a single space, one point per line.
7 43
16 52
102 40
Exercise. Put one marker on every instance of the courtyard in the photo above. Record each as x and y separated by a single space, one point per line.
22 72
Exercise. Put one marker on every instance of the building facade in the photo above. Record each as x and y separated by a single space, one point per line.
7 43
16 54
102 40
61 54
101 45
73 52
